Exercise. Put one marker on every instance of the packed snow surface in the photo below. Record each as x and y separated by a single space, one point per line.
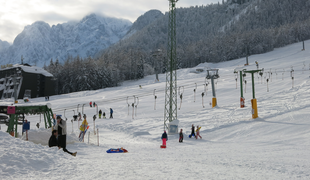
233 146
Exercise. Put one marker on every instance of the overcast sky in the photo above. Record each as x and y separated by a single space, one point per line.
16 14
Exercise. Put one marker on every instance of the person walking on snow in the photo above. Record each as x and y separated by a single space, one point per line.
111 113
90 104
103 115
197 132
181 136
164 138
54 142
61 128
100 112
193 131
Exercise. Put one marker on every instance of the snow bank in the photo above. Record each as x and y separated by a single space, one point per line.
22 158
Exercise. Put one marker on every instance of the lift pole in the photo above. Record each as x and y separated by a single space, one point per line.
213 74
253 101
241 91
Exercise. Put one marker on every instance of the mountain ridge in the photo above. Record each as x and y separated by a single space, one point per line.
40 42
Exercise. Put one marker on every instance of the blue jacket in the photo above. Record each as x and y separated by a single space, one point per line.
164 136
111 111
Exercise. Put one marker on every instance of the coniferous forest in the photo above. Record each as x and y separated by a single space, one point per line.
214 33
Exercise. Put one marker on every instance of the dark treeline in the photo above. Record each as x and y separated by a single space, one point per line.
77 74
212 33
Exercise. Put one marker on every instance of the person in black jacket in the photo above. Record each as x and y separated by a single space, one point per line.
53 139
164 137
100 112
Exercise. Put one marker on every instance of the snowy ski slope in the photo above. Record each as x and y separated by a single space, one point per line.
233 145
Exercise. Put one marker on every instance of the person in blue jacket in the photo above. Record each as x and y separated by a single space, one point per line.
193 131
164 138
111 113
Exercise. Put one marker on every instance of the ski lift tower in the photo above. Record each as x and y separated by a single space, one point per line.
171 74
213 74
253 101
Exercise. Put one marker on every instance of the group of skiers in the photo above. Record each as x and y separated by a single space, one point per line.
164 136
103 114
92 104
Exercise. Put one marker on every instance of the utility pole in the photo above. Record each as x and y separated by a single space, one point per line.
171 75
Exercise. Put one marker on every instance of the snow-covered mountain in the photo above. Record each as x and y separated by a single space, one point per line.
3 45
144 20
39 42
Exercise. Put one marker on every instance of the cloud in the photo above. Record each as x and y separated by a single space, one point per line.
9 30
16 14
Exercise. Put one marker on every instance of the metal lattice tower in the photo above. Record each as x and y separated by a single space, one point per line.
171 74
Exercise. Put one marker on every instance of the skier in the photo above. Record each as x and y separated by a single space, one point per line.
103 115
61 128
181 136
197 132
193 131
54 142
90 104
111 113
94 104
100 112
164 138
83 127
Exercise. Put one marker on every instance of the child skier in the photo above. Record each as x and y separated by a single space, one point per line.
90 104
193 131
103 115
197 132
181 136
164 138
83 128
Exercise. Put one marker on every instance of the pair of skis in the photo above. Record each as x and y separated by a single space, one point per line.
82 134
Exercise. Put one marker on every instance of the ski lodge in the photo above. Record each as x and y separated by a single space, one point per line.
28 81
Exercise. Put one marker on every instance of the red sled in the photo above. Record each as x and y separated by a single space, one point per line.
162 146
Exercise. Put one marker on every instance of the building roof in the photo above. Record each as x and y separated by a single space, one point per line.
30 69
